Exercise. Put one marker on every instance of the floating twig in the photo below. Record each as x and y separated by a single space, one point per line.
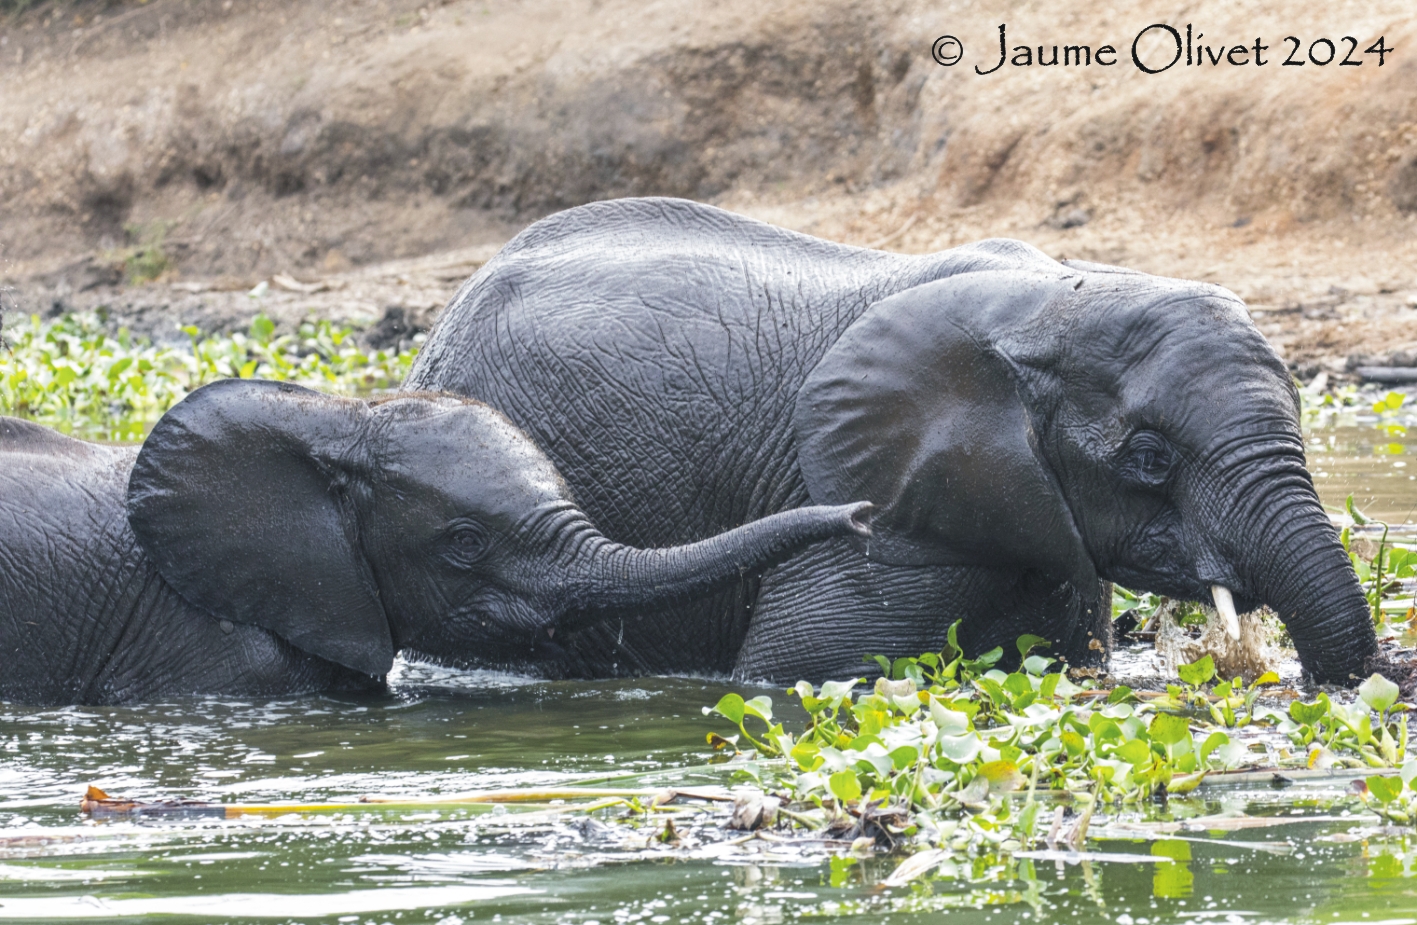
100 805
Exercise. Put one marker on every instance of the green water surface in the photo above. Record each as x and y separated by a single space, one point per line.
444 732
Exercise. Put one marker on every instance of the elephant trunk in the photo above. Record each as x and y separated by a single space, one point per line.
600 575
1290 558
1313 589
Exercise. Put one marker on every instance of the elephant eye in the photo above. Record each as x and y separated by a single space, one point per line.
1148 458
467 543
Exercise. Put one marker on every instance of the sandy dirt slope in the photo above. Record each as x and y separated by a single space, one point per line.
323 139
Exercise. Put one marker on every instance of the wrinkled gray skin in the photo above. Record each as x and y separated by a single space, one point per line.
268 539
1029 430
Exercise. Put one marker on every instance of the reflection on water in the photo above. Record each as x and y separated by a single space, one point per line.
447 732
1375 467
1367 455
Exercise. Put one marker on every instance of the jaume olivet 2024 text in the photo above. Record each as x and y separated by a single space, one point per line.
1161 47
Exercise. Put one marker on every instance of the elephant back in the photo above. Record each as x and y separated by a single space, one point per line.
654 349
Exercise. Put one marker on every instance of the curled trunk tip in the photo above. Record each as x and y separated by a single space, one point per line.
858 517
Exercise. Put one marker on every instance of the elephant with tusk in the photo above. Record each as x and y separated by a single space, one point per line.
267 539
1028 429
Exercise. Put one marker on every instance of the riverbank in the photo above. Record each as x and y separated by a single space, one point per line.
162 159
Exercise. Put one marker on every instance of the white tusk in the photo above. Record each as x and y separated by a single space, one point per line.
1225 605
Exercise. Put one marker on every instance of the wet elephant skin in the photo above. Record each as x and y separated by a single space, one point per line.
268 539
1029 431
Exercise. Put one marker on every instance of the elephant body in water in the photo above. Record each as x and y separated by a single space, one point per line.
1029 430
268 539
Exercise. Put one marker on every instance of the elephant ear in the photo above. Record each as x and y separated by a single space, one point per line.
916 409
239 497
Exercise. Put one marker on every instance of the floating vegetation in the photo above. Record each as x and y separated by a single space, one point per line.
74 375
1386 570
1321 402
951 753
948 763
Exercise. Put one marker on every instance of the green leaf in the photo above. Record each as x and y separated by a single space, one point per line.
900 668
1120 694
1197 673
262 328
950 722
760 706
1269 677
807 754
960 749
992 690
1307 714
730 707
845 786
1103 728
988 659
831 690
1018 684
1134 752
1402 562
1390 402
1379 693
952 636
1353 512
1212 742
1075 744
1003 776
1169 729
905 756
1037 664
1386 789
1028 642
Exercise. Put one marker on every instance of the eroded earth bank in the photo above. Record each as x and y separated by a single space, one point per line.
365 156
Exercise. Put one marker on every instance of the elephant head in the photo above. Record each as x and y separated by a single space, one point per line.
427 523
1091 423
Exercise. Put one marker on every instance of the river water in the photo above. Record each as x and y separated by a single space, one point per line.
440 732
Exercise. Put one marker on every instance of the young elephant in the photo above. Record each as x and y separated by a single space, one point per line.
267 539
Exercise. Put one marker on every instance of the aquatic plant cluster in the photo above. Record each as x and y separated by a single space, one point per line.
72 374
952 753
1386 575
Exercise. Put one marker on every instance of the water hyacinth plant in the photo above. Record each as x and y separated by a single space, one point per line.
75 376
942 747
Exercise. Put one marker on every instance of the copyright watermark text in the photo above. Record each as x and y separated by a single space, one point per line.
1160 47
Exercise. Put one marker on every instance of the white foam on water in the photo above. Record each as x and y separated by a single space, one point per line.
22 872
259 905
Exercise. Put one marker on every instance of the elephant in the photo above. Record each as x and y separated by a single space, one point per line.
267 539
1029 430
